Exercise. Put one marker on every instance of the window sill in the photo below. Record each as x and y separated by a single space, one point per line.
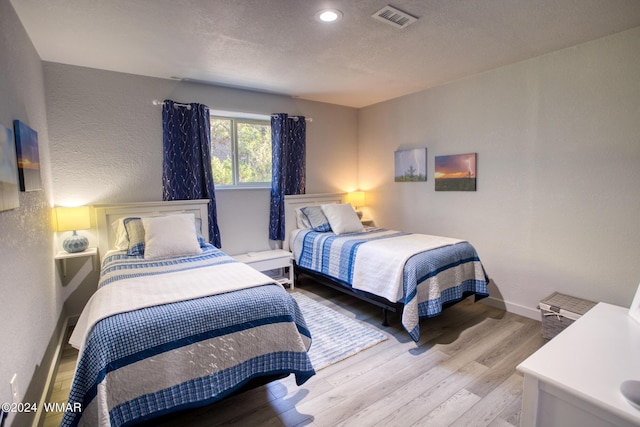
241 188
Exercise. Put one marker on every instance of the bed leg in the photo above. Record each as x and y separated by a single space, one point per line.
384 317
296 275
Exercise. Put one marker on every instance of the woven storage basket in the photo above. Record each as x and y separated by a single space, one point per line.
559 311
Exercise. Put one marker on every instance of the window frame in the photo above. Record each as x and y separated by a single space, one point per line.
235 169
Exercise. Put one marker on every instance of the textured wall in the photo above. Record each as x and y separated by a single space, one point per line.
31 302
557 137
106 143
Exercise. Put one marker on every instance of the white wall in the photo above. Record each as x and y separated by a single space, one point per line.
29 288
558 143
106 143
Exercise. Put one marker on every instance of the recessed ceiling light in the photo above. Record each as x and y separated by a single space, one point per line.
328 15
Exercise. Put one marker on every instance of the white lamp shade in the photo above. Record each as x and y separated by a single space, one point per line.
356 198
71 219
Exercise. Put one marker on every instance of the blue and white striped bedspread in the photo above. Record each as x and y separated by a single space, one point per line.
430 279
144 363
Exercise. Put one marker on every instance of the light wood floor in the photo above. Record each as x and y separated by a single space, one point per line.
461 373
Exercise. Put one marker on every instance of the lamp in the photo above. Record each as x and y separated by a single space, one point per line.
356 199
72 219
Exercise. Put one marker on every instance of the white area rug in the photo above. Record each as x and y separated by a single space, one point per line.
334 336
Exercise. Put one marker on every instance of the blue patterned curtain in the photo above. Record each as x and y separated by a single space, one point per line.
288 168
186 171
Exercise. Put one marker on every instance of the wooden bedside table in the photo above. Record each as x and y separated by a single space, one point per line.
270 260
64 256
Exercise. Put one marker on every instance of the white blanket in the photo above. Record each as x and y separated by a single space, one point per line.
379 264
140 292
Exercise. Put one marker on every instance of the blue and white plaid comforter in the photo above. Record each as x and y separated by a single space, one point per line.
148 362
431 279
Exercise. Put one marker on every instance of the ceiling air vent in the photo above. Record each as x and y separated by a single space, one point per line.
395 17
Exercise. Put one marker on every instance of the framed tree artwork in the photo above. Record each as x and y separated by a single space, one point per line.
411 165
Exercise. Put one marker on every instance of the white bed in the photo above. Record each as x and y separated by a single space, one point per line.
186 351
416 274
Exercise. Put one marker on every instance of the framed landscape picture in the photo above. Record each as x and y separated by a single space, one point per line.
411 165
456 172
28 157
9 198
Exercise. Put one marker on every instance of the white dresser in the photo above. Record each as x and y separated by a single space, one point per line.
574 379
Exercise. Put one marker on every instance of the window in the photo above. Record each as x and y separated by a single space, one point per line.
240 152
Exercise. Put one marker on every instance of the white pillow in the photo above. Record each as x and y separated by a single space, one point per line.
171 235
342 218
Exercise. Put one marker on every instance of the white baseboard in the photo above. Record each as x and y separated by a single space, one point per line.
521 310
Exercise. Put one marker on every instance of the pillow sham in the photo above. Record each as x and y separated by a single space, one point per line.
201 240
135 235
169 236
342 218
121 240
301 219
316 217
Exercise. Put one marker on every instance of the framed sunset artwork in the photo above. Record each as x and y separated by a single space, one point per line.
456 172
28 157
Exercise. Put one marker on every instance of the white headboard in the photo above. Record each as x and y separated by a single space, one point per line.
107 214
300 201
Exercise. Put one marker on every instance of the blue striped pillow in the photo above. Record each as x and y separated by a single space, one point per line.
135 234
317 218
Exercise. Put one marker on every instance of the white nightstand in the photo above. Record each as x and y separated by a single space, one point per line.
64 256
367 222
270 260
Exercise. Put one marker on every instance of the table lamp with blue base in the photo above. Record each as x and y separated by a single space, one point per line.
73 219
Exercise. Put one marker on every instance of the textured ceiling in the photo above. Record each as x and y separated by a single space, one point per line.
277 45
